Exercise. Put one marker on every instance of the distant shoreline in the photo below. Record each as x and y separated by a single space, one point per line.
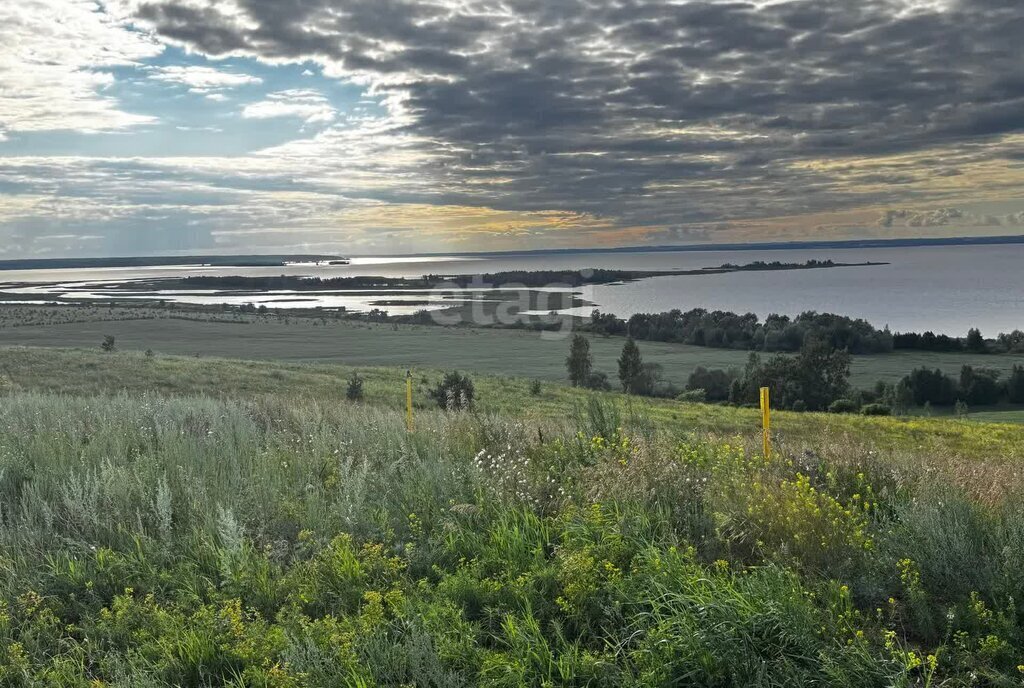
274 260
523 279
227 261
759 246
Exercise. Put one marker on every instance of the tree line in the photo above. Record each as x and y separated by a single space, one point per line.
728 330
811 380
817 378
975 386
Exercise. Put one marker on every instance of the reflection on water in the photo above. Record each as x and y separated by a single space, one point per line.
942 288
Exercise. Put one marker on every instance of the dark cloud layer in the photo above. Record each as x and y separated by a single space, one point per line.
648 111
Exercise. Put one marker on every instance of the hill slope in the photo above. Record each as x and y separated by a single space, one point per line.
175 521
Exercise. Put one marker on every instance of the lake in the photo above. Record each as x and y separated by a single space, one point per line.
941 288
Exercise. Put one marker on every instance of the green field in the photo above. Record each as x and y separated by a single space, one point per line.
182 521
505 352
86 372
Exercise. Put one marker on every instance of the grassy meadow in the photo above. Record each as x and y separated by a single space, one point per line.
177 521
90 372
305 339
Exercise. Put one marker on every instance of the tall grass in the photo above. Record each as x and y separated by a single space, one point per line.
154 541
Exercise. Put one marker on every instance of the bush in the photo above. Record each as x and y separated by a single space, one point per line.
454 393
876 410
714 382
693 395
535 388
354 391
597 381
843 406
108 344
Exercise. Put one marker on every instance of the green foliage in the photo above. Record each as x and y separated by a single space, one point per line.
364 344
715 383
876 410
975 342
843 406
980 386
580 363
810 381
455 392
701 327
693 395
354 389
631 368
108 344
284 542
1015 385
930 386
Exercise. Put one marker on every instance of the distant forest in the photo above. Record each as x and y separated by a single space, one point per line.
724 329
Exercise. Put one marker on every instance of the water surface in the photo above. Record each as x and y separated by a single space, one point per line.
941 288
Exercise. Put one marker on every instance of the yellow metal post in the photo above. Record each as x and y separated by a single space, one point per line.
408 400
766 422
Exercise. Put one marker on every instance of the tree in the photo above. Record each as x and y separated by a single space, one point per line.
108 344
975 342
580 363
903 398
824 374
1015 385
631 367
811 380
649 382
606 323
454 392
715 383
1012 343
354 392
930 386
980 386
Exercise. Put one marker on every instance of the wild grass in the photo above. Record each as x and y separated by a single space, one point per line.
308 337
284 540
988 454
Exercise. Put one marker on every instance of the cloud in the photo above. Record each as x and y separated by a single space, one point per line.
203 80
650 111
942 217
310 106
573 121
55 58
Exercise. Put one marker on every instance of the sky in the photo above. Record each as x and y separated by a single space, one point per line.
138 127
